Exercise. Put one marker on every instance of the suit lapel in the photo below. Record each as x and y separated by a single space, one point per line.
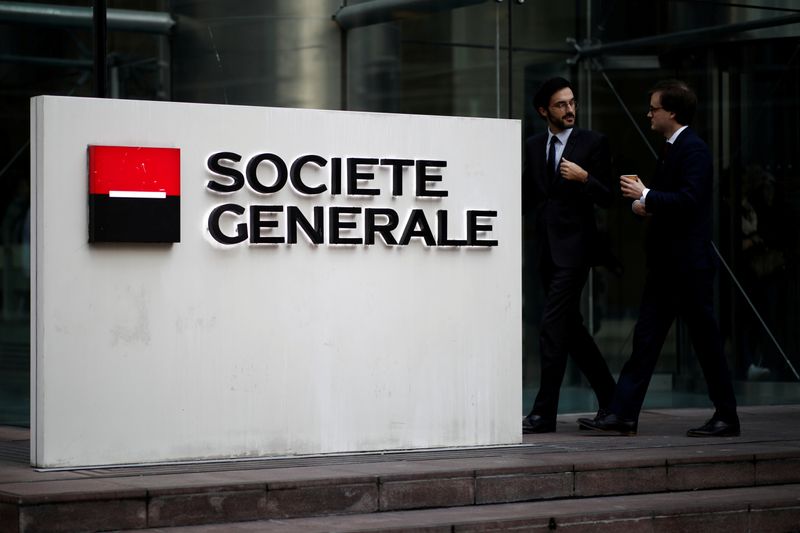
571 143
663 173
540 159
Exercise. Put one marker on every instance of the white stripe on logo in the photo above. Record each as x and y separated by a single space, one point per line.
137 194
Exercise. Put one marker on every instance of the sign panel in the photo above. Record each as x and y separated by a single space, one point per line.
250 282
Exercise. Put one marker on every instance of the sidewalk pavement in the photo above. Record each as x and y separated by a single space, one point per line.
564 465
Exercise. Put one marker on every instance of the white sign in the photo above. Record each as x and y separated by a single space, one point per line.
339 282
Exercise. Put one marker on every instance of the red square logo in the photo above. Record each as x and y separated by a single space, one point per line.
134 194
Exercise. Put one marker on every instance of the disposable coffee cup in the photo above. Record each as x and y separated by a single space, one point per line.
631 177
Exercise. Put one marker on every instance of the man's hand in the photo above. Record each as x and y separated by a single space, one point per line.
631 188
572 171
638 208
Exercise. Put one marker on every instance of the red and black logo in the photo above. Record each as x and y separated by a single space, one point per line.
134 194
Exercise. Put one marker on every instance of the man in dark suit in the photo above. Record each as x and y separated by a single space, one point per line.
680 269
567 172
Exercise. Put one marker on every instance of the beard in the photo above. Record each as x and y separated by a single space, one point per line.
563 123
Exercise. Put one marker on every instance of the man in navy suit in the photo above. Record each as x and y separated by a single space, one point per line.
680 269
567 172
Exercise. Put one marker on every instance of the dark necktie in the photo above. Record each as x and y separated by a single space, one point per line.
551 157
665 150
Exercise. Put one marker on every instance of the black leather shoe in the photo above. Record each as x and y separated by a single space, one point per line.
538 424
601 413
611 424
715 427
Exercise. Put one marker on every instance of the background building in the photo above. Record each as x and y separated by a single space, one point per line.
478 58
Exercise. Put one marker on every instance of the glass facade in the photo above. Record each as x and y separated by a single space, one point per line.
483 59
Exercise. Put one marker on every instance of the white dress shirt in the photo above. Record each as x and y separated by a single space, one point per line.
562 136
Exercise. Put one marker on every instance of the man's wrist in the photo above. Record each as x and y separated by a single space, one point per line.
644 195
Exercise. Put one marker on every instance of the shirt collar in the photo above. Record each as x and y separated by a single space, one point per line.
672 139
562 136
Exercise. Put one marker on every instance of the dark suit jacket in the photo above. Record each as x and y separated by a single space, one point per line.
679 232
564 209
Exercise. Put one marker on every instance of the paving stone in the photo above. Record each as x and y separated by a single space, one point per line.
206 507
712 453
295 477
428 474
67 491
775 519
289 483
777 472
184 483
196 488
532 525
432 492
312 500
707 476
611 459
69 517
728 522
522 487
621 481
546 525
525 464
17 473
778 450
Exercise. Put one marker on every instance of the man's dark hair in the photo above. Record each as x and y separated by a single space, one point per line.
548 89
677 97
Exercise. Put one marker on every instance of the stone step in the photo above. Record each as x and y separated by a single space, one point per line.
477 481
766 509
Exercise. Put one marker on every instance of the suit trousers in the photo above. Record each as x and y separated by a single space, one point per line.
562 333
668 295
